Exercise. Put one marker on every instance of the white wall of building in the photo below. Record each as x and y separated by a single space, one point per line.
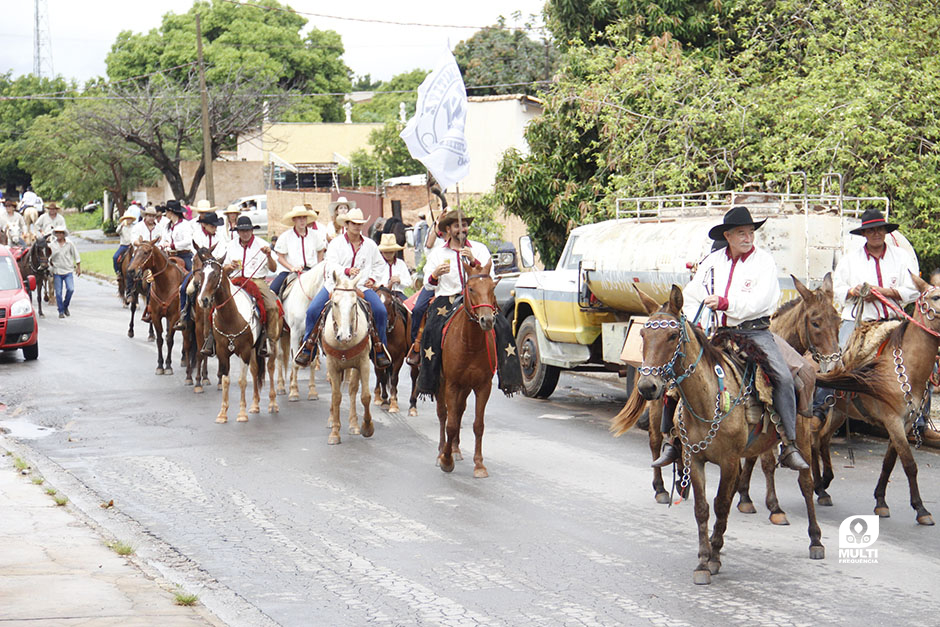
494 124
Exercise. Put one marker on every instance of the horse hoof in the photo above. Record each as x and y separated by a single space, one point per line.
293 398
198 389
313 397
168 371
151 339
159 371
745 507
701 577
368 429
273 408
188 381
817 552
445 466
884 512
377 401
779 518
254 409
334 439
458 456
926 520
218 386
394 409
221 419
242 417
714 566
130 334
413 411
354 431
480 473
662 498
825 500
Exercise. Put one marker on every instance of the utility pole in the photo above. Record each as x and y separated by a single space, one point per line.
206 138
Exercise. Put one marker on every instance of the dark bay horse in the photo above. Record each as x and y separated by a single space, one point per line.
722 437
36 262
164 277
131 288
399 325
197 330
468 363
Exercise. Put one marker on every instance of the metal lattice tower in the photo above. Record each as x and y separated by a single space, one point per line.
42 41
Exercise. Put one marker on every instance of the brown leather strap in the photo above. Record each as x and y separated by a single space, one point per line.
349 353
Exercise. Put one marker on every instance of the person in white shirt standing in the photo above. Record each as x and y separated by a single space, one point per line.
63 261
352 254
745 295
299 248
178 236
395 274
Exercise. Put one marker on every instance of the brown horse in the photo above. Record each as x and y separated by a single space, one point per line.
197 330
901 372
36 262
164 278
810 324
133 287
468 362
722 437
399 323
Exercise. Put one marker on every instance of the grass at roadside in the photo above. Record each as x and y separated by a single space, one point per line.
99 261
83 221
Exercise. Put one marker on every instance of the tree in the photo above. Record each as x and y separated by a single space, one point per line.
486 227
161 119
497 55
384 107
238 39
388 155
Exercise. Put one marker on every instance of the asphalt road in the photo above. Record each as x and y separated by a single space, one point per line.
270 525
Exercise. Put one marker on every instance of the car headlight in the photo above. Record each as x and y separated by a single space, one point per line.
21 307
504 259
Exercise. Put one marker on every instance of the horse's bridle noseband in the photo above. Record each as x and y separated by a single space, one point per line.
667 370
471 309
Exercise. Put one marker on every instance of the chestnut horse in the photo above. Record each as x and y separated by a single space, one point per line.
36 262
720 437
165 277
399 325
468 363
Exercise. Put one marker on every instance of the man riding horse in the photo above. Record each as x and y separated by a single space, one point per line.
739 283
353 255
300 248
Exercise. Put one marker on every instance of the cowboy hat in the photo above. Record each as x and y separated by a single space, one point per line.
872 219
736 216
389 244
128 216
298 211
9 202
149 211
210 218
60 228
355 216
452 216
232 209
244 224
52 205
174 206
341 201
204 206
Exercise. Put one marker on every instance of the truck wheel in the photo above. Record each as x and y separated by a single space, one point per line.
31 352
538 379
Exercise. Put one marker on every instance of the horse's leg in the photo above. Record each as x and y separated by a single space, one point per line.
413 399
727 484
903 449
336 385
836 420
294 389
701 575
243 385
368 428
745 505
456 404
130 328
159 335
170 321
257 381
189 356
768 464
354 382
39 295
804 441
378 394
273 357
151 336
656 444
393 392
481 396
312 394
225 380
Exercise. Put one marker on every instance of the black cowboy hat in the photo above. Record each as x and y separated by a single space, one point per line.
244 224
210 218
872 219
174 206
736 216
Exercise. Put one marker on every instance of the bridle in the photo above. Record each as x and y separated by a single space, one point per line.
667 370
36 261
818 357
355 326
146 261
471 309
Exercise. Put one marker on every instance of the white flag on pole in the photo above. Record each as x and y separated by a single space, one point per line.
434 135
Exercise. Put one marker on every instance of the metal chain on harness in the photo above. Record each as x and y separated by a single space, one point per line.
904 382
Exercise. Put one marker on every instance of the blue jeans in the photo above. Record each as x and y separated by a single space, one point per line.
187 258
375 304
69 282
421 306
184 299
278 282
117 255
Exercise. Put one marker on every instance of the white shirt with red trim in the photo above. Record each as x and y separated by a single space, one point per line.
178 237
341 256
451 283
748 286
253 261
890 270
397 268
301 251
147 233
218 243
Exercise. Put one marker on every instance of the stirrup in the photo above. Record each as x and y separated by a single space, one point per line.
669 455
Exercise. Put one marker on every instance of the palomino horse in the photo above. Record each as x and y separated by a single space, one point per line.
36 262
346 340
399 325
900 373
296 299
810 324
236 327
165 278
721 437
468 363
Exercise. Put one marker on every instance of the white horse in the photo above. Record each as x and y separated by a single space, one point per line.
346 340
296 300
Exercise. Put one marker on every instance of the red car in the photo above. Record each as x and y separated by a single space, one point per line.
19 326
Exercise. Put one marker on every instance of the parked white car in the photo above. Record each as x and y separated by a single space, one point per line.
255 207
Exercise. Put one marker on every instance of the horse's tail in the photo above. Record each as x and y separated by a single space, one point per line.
863 380
629 415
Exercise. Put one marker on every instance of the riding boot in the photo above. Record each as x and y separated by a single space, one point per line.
414 355
305 354
671 448
146 318
790 457
382 359
208 347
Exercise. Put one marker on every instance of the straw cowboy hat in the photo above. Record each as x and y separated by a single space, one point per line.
232 209
452 216
389 244
736 216
128 216
341 201
52 205
872 219
354 215
298 211
60 229
149 211
204 206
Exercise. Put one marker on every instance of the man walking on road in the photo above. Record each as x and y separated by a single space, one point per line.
64 260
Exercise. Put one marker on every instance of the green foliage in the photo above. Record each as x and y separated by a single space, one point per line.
99 262
496 55
819 87
83 221
384 106
486 227
388 155
246 42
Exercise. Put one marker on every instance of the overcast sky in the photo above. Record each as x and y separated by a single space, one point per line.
82 31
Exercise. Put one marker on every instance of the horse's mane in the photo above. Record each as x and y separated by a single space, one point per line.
710 353
897 336
787 306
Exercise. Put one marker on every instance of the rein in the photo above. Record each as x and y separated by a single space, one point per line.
921 305
471 309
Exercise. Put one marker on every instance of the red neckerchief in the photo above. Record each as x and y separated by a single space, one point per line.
734 264
878 260
302 251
